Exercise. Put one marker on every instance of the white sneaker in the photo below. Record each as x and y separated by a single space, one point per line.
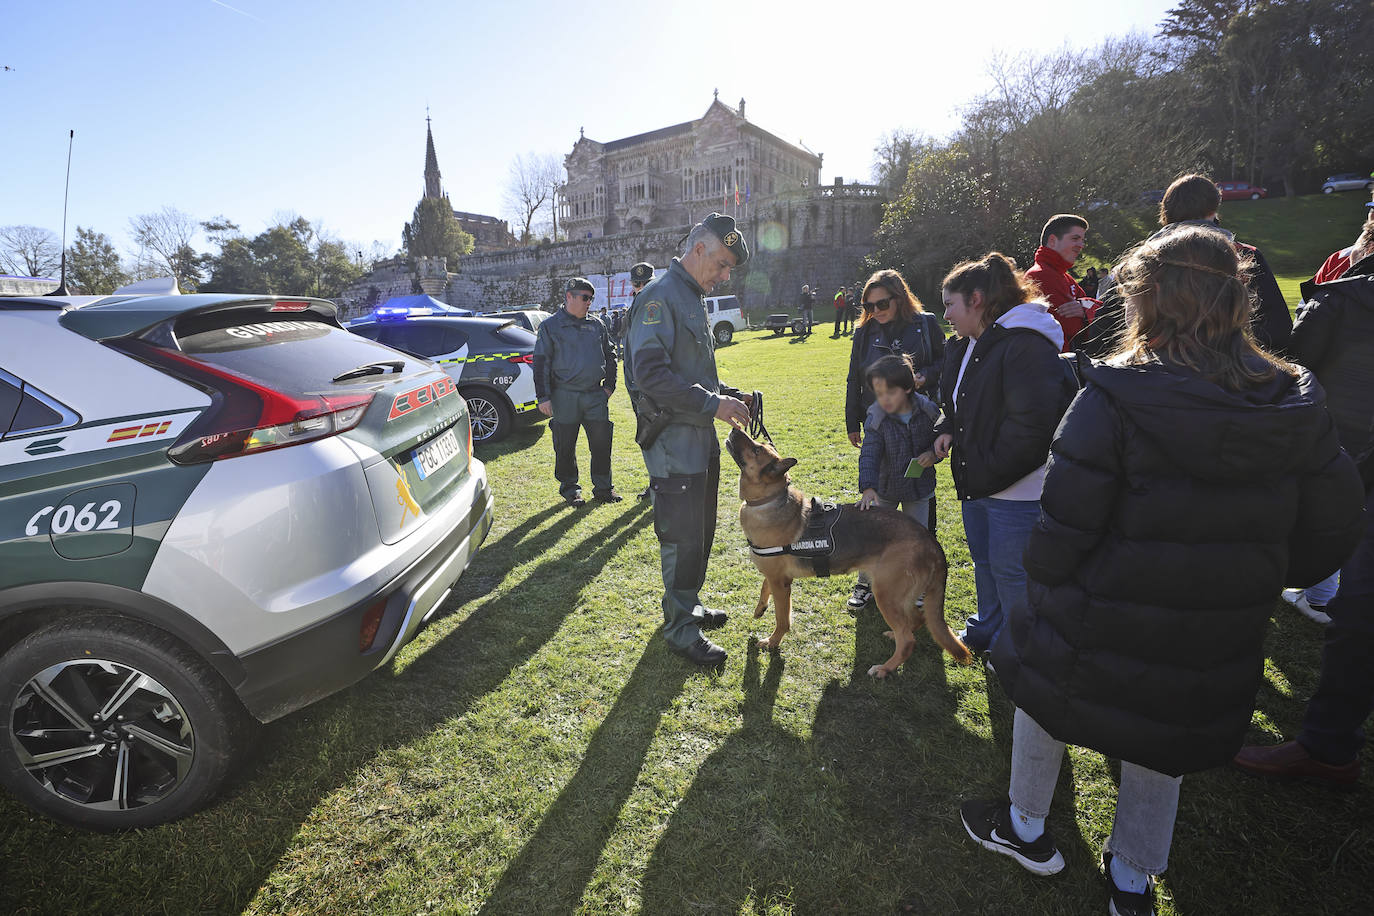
1315 613
1291 595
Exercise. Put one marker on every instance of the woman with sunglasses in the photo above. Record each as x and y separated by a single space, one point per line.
893 322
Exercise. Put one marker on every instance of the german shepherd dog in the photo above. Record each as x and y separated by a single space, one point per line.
901 557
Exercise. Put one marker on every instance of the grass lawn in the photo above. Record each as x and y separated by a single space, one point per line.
538 750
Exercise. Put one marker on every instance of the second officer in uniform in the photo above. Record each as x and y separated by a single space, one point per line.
672 359
574 376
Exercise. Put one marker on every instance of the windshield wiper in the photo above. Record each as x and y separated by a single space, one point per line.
378 368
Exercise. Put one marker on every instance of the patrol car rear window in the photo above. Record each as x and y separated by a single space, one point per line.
422 338
516 335
284 357
9 403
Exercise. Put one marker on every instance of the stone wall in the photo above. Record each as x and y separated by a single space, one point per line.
816 236
26 286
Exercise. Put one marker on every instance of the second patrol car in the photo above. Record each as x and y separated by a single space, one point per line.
490 360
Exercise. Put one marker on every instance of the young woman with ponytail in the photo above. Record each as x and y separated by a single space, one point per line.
1002 390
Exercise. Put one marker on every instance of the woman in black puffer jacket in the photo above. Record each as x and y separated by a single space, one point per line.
1193 476
1003 391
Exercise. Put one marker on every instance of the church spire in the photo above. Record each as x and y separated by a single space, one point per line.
432 188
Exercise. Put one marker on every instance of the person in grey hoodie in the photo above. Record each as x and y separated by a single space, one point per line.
1002 391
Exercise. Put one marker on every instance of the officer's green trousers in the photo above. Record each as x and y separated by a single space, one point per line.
684 474
573 410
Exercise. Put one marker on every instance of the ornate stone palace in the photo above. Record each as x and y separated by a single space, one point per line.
675 175
633 200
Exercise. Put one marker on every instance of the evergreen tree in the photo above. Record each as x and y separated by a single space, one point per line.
93 264
434 232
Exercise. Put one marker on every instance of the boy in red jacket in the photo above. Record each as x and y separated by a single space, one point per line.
1061 242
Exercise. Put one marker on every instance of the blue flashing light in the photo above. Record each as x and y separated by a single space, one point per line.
395 312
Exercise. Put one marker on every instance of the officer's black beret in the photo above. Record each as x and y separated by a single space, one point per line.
641 273
582 284
723 228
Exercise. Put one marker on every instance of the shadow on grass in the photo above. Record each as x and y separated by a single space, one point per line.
526 433
544 871
769 819
218 859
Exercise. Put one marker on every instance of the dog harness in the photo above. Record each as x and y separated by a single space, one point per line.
817 541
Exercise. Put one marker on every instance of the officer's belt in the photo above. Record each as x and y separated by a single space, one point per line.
817 541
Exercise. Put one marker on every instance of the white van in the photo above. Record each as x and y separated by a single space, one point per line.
724 317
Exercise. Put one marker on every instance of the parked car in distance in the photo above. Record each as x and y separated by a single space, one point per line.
529 319
1348 181
1240 190
491 360
220 508
724 317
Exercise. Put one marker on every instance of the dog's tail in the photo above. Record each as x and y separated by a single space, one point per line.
934 611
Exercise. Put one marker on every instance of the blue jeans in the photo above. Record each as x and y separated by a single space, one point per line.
1320 595
997 531
1146 802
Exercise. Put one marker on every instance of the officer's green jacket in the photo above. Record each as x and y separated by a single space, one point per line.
671 356
573 354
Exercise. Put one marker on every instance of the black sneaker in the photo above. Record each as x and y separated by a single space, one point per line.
859 598
608 496
989 823
1124 903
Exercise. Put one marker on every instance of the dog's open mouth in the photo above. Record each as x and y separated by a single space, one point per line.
731 445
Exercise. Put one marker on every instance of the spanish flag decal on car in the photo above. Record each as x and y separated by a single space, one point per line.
139 431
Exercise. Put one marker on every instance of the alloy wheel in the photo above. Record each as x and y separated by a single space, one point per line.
485 418
101 734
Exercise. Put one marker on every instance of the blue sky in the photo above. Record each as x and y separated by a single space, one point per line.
255 109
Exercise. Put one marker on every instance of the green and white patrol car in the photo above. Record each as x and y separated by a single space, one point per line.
214 509
489 359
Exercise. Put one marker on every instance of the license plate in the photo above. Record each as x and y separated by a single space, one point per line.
436 454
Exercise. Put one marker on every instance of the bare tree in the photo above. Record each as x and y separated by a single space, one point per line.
165 242
29 251
530 189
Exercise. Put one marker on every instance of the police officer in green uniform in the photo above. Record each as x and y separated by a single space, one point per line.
640 275
574 375
671 357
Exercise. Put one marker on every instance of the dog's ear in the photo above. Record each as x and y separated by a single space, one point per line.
779 468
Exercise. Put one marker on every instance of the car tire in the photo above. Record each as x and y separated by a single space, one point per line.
1328 189
724 332
1255 196
799 326
181 731
489 414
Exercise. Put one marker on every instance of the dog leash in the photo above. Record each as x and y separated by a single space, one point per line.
756 427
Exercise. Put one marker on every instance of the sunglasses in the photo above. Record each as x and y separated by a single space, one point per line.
879 305
585 297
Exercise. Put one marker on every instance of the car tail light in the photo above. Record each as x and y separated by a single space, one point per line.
289 305
367 630
469 445
522 358
246 417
